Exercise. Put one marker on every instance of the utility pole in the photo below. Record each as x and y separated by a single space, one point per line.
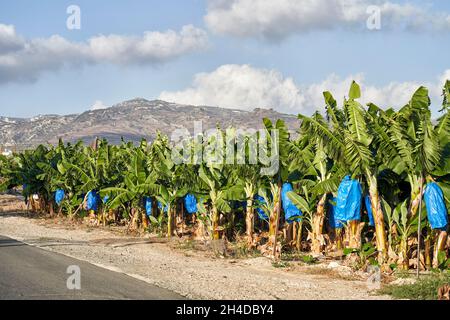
419 229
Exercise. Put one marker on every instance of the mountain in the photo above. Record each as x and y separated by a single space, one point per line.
132 120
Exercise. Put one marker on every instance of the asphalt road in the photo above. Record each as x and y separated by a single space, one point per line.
28 272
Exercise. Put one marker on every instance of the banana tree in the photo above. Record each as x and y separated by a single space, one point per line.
69 154
349 140
413 145
416 141
179 181
307 204
442 170
173 180
92 169
220 190
321 177
9 172
37 170
251 180
280 168
405 226
271 207
50 177
441 173
243 168
137 184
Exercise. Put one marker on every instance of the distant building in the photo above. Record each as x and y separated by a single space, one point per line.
7 149
7 152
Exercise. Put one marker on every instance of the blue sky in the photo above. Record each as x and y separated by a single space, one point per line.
230 64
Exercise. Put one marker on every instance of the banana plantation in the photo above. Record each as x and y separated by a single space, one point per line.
355 180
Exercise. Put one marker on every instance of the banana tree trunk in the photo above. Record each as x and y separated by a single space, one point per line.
288 233
144 220
404 259
215 223
112 215
170 224
317 226
50 208
250 222
338 239
273 224
276 222
415 196
414 206
42 204
297 232
92 214
379 221
32 204
134 222
353 234
439 247
104 218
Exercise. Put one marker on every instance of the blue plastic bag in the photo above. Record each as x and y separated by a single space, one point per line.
190 203
59 196
335 224
160 206
348 203
436 210
260 201
291 212
93 199
148 206
369 210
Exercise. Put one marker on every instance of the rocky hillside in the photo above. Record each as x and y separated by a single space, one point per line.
131 120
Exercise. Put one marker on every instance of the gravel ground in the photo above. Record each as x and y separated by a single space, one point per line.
193 274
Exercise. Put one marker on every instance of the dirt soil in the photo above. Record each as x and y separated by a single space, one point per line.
177 266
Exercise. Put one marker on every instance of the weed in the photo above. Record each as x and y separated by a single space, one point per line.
426 288
280 264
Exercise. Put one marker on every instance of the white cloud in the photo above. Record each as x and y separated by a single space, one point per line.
9 41
245 87
240 86
25 60
394 94
98 105
276 20
152 47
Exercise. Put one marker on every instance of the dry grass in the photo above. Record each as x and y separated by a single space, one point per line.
329 273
